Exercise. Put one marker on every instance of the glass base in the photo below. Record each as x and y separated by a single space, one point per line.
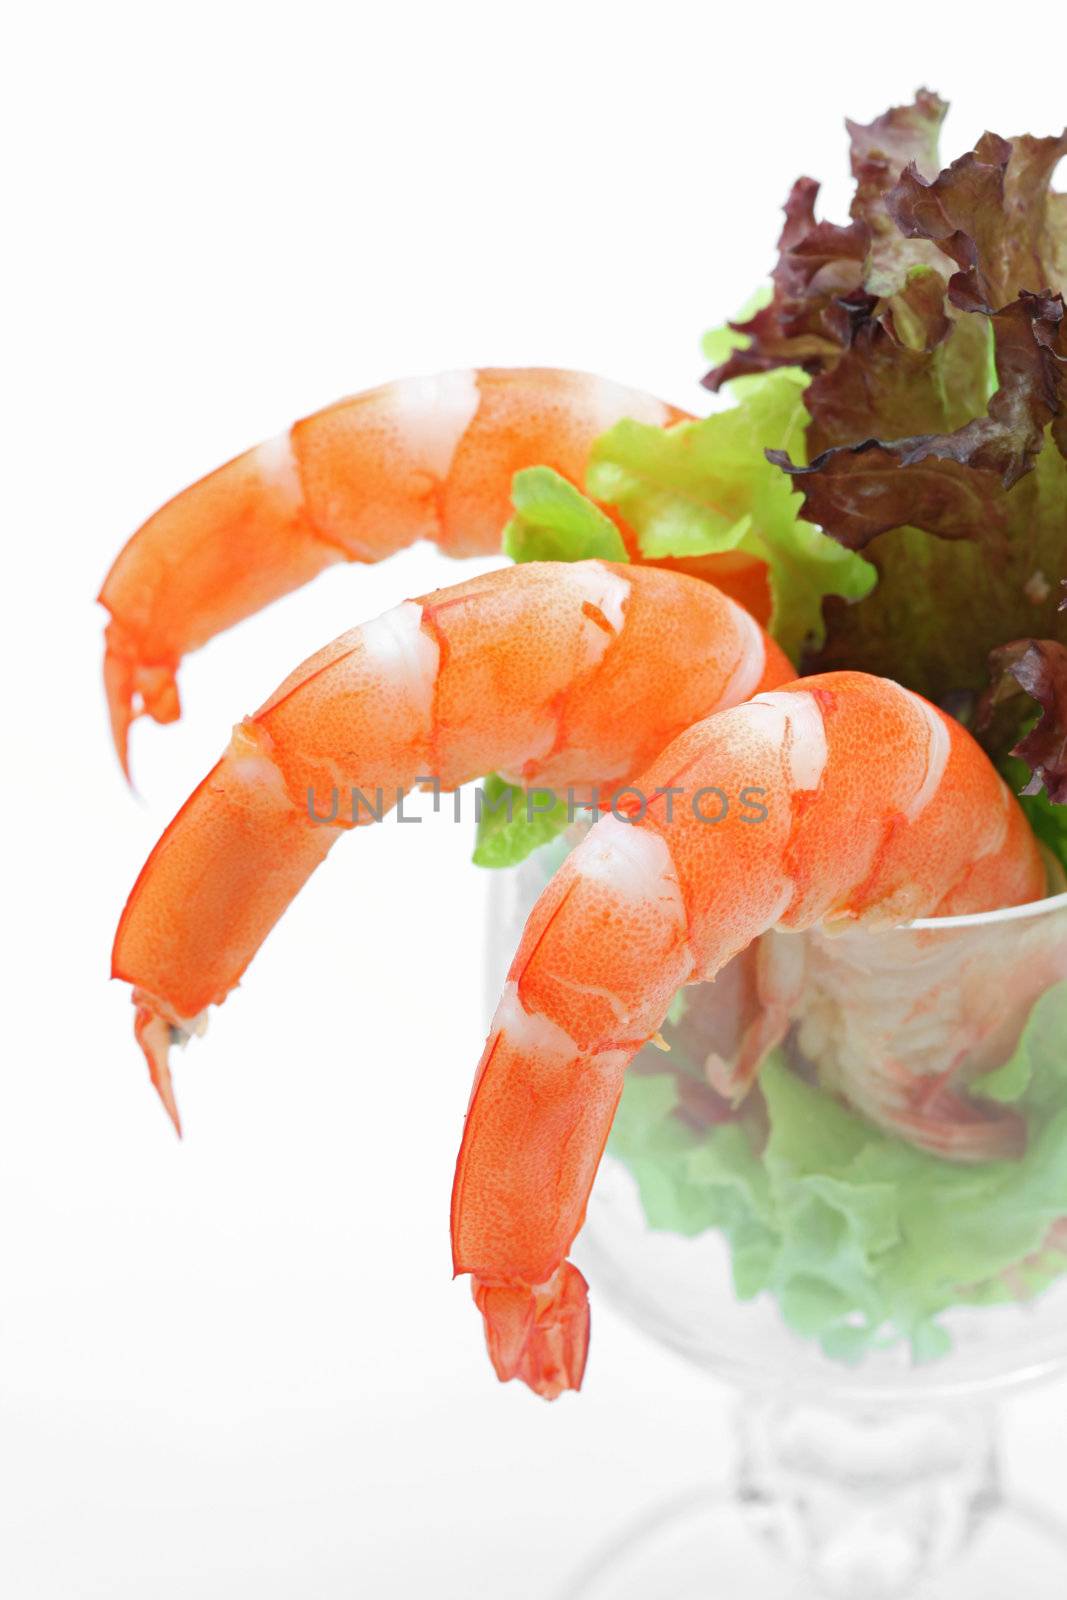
703 1547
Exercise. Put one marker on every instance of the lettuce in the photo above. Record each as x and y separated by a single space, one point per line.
860 1238
703 488
697 489
1039 668
897 448
932 330
554 521
512 823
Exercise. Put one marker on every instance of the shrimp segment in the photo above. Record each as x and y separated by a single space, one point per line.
556 675
900 1023
878 810
425 458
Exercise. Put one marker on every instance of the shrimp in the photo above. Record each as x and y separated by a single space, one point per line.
425 458
874 809
559 676
899 1023
893 1023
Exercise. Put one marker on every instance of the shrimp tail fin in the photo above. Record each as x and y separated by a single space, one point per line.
118 686
734 1079
957 1129
540 1335
135 688
154 1034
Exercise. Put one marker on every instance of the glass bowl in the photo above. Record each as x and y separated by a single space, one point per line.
842 1187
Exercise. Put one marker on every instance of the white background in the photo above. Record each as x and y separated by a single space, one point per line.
238 1366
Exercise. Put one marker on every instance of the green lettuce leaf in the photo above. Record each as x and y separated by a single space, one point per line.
861 1239
513 822
704 487
554 521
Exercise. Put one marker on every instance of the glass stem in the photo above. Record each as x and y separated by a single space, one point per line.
866 1503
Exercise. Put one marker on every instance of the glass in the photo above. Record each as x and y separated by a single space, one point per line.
872 1247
